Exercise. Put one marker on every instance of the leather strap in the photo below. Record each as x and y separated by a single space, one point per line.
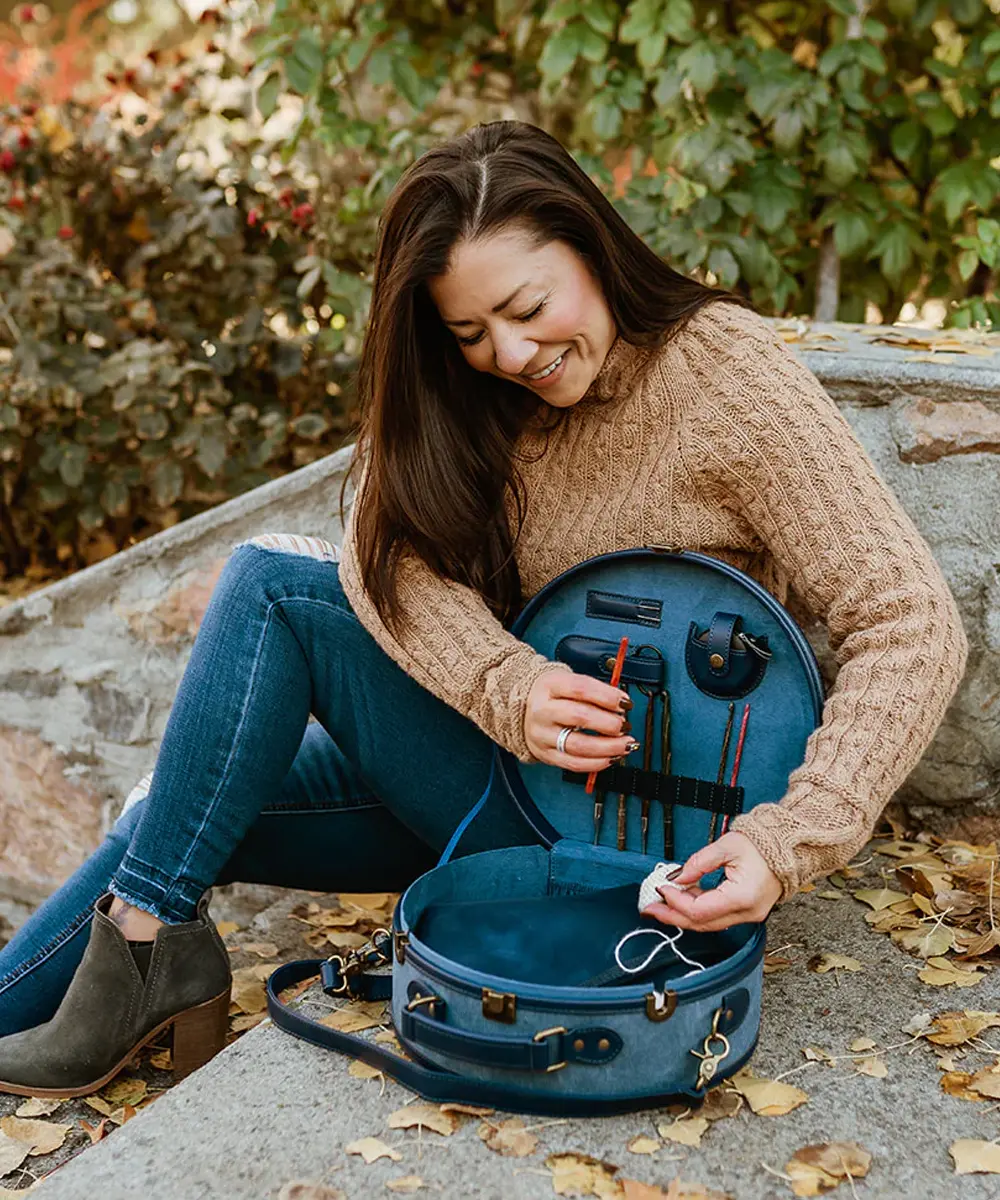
720 640
667 789
594 656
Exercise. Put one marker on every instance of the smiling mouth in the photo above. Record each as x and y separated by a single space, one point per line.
546 371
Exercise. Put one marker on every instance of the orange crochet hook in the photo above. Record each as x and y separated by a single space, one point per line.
616 675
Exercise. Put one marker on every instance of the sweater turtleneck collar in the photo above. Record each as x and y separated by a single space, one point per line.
622 365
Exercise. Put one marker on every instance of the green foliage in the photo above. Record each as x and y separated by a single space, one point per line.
159 343
734 136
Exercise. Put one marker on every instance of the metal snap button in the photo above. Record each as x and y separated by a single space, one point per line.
716 661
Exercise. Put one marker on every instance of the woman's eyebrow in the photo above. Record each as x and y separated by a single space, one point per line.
496 307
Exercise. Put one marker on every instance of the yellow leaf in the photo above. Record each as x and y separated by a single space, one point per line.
956 1083
872 1066
41 1137
55 133
125 1091
643 1144
366 900
225 928
821 963
720 1103
686 1131
370 1149
248 988
576 1174
928 941
860 1044
98 1105
94 1132
244 1021
355 1017
426 1116
820 1168
302 1189
987 1083
12 1153
767 1097
36 1106
879 898
468 1110
942 972
161 1060
261 949
955 1028
509 1138
972 1156
405 1184
361 1070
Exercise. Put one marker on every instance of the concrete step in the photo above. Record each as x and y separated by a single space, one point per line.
270 1109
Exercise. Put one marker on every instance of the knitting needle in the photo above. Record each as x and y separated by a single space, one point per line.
616 675
647 760
738 757
622 816
665 757
713 828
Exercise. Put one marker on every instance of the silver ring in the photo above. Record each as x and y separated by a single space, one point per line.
563 735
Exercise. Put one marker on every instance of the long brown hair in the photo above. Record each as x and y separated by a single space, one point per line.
437 437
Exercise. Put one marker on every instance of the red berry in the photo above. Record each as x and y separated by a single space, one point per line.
24 140
66 232
16 202
302 214
27 14
111 77
210 14
476 70
286 198
130 77
178 86
253 216
7 161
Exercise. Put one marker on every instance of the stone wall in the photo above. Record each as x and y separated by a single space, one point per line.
89 665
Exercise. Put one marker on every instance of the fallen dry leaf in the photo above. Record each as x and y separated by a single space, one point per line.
225 928
720 1103
243 1022
818 1054
643 1144
576 1174
956 1028
929 941
767 1097
162 1060
820 1168
987 1083
879 898
368 902
861 1044
37 1106
686 1131
98 1105
41 1137
821 963
95 1132
774 963
292 993
426 1116
942 972
361 1070
975 1157
356 1016
248 988
406 1184
468 1110
12 1153
956 1083
370 1149
125 1091
831 894
509 1138
677 1189
872 1066
303 1189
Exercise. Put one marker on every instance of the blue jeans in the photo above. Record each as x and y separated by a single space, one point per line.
245 788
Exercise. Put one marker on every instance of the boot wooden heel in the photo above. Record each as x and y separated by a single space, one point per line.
199 1034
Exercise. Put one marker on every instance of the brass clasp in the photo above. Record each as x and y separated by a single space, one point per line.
542 1035
711 1059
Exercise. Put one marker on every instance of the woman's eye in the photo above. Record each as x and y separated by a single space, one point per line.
470 341
534 312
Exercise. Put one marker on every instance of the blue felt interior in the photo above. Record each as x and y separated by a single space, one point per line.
784 708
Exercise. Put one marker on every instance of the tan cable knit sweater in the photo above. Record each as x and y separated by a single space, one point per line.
721 442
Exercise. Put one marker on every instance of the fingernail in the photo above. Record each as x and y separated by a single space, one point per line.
626 726
625 705
632 746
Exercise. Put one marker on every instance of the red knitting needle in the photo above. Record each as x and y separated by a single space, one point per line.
616 675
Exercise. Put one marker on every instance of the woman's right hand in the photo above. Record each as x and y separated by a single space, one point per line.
561 698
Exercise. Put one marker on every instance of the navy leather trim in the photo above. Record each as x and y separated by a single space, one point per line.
595 656
613 606
742 668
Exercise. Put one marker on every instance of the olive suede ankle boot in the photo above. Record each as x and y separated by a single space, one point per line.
110 1011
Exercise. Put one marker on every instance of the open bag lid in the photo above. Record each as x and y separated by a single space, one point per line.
710 636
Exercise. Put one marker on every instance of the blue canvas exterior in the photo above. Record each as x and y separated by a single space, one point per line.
656 1057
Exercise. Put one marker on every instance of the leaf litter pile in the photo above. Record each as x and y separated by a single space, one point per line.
937 902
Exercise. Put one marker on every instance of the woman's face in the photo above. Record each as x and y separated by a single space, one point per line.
532 314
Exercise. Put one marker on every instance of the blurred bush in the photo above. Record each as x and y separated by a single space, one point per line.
158 350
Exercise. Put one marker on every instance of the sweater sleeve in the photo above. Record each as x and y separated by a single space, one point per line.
453 645
770 444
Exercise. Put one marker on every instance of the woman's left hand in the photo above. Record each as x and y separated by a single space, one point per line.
748 893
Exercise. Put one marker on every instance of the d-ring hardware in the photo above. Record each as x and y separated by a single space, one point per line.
711 1059
543 1034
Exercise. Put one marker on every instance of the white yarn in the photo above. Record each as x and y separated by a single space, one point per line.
648 895
657 878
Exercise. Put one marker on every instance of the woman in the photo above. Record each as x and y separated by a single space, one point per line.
537 387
